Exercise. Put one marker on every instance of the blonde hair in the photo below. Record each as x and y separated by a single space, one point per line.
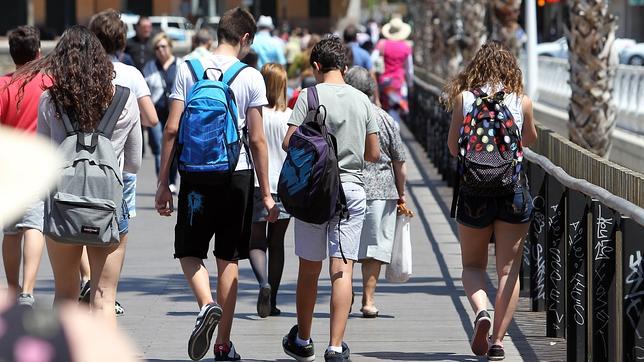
493 64
161 36
275 80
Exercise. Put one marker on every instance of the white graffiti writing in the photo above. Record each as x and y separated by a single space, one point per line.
540 277
634 297
577 296
603 249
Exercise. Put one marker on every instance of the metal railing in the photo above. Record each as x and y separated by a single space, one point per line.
582 259
628 91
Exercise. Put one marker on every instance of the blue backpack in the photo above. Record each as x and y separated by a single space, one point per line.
209 139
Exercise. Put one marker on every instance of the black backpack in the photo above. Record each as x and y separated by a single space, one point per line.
489 150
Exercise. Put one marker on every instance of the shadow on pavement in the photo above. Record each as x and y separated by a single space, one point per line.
415 356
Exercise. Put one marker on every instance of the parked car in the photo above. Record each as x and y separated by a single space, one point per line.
211 21
633 55
559 48
177 27
130 21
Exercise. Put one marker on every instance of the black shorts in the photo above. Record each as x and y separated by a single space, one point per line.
221 206
479 212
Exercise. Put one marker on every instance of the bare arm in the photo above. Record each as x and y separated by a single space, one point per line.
148 113
287 137
372 148
400 174
528 131
259 150
164 197
457 121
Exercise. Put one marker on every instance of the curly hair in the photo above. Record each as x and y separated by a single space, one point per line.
330 53
82 76
492 65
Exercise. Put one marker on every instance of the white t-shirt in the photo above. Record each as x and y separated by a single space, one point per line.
275 127
130 77
512 101
248 87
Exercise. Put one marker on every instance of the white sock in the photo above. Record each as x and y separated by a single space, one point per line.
301 342
334 349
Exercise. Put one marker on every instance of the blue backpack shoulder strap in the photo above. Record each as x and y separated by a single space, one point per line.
196 69
232 72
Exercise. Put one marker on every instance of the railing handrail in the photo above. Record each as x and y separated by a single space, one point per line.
617 203
621 205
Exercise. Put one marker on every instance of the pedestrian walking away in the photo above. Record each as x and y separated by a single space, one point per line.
270 236
79 66
491 123
350 118
23 239
268 49
216 192
385 189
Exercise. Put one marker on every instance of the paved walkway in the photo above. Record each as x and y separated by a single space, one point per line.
426 319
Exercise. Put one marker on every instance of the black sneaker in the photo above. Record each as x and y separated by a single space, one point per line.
226 353
300 353
496 353
275 311
264 301
83 297
338 357
118 308
482 325
199 342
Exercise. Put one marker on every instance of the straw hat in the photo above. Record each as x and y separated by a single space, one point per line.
265 22
29 165
396 29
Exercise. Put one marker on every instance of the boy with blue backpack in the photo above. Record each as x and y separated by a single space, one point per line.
332 107
214 125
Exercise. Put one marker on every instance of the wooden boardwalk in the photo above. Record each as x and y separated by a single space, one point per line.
426 319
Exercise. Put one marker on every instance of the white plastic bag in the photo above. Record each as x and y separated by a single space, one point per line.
399 270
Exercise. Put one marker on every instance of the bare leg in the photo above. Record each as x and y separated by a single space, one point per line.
509 241
227 280
33 247
370 273
65 261
474 244
106 264
306 295
84 267
11 256
341 277
197 276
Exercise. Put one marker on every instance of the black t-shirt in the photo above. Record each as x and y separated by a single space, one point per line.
140 50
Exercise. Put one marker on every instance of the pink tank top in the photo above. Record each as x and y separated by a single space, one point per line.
395 55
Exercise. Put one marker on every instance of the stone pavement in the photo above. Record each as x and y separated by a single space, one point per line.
425 319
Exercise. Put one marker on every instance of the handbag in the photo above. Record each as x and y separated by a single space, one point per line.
400 268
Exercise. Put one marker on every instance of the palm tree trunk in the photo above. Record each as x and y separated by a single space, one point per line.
474 30
590 34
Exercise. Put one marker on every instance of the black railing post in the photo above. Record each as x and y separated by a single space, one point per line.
577 276
555 259
604 228
633 290
537 241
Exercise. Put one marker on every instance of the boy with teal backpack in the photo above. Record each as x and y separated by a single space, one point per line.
214 125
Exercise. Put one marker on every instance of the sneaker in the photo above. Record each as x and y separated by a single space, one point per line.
118 308
199 342
496 353
225 352
275 311
25 299
83 297
482 325
291 348
338 357
264 301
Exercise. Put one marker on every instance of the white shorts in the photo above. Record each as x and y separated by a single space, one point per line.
312 240
378 231
33 218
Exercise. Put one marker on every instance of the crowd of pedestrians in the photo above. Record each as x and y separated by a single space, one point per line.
220 129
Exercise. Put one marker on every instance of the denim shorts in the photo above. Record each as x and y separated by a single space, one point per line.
481 211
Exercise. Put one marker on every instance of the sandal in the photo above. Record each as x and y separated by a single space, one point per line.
367 313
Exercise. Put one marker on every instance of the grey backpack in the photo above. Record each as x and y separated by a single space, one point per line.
85 206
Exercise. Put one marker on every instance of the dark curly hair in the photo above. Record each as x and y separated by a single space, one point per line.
330 53
492 65
82 75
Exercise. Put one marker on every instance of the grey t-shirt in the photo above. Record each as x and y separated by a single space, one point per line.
350 118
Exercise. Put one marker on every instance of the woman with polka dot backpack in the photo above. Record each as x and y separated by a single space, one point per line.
491 123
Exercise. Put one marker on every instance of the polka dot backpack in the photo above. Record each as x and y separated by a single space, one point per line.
490 150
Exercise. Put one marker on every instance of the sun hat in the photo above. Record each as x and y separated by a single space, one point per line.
396 29
29 165
265 22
